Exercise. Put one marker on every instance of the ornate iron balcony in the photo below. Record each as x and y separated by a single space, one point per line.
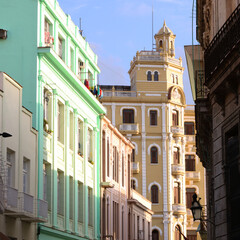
224 42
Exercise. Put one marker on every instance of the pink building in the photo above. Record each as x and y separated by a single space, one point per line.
125 214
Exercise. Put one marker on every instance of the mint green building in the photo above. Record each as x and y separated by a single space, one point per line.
45 53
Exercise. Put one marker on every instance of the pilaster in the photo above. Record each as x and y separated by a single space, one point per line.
144 192
113 114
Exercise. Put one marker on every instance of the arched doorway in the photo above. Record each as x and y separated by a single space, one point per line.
155 235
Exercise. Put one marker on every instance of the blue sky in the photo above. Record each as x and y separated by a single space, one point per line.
116 29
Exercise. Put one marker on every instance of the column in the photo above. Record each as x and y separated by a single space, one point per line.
54 160
113 114
85 186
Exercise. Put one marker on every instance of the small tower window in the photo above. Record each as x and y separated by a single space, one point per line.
154 194
149 76
155 76
171 44
173 78
154 155
160 44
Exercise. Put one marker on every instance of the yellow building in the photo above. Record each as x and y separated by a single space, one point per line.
150 113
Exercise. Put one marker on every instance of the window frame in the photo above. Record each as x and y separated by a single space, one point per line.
154 151
153 117
154 194
128 116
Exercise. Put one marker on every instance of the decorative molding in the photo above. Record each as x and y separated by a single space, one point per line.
127 107
154 145
154 183
157 228
156 109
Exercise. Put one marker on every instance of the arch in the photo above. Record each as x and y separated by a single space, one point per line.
155 109
136 147
172 94
193 186
171 44
128 107
154 145
157 228
155 234
160 43
136 181
156 76
154 183
154 155
149 76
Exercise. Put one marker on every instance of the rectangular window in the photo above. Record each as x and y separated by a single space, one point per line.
60 192
90 145
47 111
108 157
176 157
138 227
47 184
80 137
71 202
71 130
133 155
60 113
153 118
174 118
71 59
48 32
104 163
189 128
81 66
190 163
128 116
191 235
143 229
10 167
80 201
61 48
90 207
26 175
189 194
123 169
176 193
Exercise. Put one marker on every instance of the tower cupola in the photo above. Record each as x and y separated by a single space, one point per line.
165 41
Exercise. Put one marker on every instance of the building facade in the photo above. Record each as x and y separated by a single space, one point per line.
150 113
122 208
217 112
21 208
58 72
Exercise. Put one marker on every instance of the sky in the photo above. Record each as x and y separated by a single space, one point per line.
117 29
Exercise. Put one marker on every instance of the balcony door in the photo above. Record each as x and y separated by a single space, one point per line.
128 116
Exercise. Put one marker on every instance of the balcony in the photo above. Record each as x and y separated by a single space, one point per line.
226 41
120 94
177 131
195 176
178 169
135 167
178 209
129 128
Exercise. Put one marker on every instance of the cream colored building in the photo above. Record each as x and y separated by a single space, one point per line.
150 113
122 208
20 207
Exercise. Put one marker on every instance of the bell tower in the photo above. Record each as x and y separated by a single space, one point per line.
165 41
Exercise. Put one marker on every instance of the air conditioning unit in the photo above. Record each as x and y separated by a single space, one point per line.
81 65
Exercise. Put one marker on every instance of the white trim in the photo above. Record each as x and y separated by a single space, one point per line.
192 186
157 228
157 215
133 104
154 183
136 181
127 107
149 109
153 95
149 71
154 145
113 114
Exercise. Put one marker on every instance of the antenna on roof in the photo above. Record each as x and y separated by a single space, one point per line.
152 25
80 26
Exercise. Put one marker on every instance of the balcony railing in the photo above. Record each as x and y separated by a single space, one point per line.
193 176
178 169
135 167
132 128
226 39
177 130
178 208
120 94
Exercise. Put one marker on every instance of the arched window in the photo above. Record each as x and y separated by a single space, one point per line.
161 44
178 233
155 76
149 76
177 193
133 184
154 194
155 235
154 155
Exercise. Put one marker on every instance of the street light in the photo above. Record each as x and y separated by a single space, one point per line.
5 134
196 208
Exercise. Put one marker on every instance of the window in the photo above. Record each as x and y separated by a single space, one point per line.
123 222
10 167
133 184
71 64
48 32
60 113
174 118
173 78
148 236
155 235
138 229
115 164
115 220
189 194
128 116
153 117
90 145
26 175
47 111
189 128
80 137
191 235
60 192
171 45
104 155
176 193
190 163
71 198
155 76
60 47
81 66
108 157
90 206
123 169
143 228
47 184
149 76
71 130
80 201
133 155
154 194
161 44
176 155
154 155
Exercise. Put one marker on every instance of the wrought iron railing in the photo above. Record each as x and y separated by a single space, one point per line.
226 39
